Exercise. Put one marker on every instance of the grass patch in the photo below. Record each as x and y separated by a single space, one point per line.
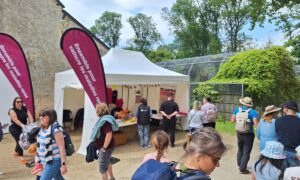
225 126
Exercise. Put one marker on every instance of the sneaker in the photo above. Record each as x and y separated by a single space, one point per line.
30 164
246 171
172 145
147 146
1 173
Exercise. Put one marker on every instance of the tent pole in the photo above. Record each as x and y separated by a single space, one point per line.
147 92
128 97
122 92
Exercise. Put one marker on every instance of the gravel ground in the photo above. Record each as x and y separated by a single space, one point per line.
131 156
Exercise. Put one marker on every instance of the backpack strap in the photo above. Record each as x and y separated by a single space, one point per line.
248 110
53 127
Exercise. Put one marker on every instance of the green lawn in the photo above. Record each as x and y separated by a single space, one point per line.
225 126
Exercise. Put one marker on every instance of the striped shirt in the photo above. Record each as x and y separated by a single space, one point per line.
47 149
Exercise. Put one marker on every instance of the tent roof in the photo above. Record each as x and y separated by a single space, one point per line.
131 67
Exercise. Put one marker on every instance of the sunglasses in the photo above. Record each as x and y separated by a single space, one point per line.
43 115
19 101
215 160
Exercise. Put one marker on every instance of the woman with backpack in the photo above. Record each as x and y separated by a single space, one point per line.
102 136
51 147
203 151
266 127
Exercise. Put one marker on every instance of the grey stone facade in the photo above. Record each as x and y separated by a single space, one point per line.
38 25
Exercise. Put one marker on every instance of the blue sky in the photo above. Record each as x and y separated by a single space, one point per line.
87 11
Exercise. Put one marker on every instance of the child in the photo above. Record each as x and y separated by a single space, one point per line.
293 172
160 142
270 164
143 121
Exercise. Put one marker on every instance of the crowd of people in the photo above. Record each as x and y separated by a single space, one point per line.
278 132
279 136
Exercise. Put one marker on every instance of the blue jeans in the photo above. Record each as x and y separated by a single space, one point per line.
291 160
52 171
144 135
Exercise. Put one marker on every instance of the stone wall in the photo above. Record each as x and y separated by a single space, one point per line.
38 25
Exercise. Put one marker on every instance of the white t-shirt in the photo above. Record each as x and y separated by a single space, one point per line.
292 173
196 119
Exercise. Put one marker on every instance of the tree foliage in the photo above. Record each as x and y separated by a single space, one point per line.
108 28
286 16
236 14
146 34
267 75
161 54
205 90
196 26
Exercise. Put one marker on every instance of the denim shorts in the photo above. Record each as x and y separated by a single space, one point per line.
104 160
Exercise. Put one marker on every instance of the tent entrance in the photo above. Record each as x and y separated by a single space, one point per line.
73 105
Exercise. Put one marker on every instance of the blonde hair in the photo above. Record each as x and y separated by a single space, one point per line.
101 109
204 141
197 105
160 142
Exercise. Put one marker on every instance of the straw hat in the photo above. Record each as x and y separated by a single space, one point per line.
246 101
271 109
274 150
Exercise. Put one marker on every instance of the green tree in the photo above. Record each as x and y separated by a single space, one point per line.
108 28
286 16
146 34
268 75
236 14
159 55
196 26
205 90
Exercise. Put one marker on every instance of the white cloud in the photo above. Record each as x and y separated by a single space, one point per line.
87 11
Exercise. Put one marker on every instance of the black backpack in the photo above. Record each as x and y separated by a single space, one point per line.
155 170
143 115
69 146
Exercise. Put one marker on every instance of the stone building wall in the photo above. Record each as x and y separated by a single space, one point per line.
38 25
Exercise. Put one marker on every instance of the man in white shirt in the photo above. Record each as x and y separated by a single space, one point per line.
293 173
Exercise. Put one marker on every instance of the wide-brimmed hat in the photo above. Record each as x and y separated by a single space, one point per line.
274 150
291 105
246 101
271 109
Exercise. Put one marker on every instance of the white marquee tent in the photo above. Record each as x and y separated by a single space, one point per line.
7 95
124 70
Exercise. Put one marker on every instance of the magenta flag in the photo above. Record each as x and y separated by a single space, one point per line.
84 57
14 65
